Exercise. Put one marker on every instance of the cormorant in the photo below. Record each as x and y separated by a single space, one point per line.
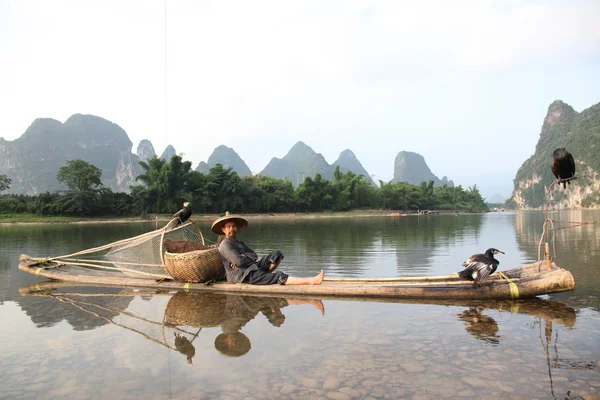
185 347
184 213
479 267
563 165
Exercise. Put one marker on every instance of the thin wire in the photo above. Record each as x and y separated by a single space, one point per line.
165 141
165 52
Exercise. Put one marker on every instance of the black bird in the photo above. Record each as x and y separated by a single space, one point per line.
563 165
184 213
185 347
479 267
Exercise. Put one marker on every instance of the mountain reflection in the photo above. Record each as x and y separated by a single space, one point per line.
416 239
345 245
45 314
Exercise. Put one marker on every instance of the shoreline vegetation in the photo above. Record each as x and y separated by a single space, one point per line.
15 219
166 185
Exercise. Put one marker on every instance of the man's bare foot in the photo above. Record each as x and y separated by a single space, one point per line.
317 280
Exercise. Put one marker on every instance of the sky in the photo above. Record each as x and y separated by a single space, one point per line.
466 84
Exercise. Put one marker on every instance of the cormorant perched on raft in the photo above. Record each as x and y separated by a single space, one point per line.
563 165
184 213
479 267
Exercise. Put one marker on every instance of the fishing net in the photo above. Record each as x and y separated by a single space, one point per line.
143 313
141 256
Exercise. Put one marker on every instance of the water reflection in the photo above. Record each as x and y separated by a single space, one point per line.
364 246
347 246
479 325
239 310
417 240
175 320
577 248
185 314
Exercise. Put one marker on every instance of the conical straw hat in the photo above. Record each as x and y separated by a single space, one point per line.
217 226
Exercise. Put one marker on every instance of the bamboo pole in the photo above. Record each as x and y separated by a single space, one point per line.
396 279
453 278
107 262
81 264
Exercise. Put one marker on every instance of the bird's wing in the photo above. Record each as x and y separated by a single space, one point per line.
473 265
475 258
480 271
571 162
555 168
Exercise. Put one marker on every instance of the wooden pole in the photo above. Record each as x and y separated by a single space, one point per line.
548 260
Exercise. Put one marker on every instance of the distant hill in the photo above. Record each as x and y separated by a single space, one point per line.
168 153
496 199
348 162
411 167
145 150
301 161
32 161
579 133
227 157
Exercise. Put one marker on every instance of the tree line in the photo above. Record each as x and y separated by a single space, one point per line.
165 185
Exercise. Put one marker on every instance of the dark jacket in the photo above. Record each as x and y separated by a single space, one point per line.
236 252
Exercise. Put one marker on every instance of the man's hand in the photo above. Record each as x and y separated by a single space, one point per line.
233 266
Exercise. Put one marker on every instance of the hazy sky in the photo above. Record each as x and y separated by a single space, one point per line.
464 83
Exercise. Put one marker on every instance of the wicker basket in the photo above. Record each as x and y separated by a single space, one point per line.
202 310
195 266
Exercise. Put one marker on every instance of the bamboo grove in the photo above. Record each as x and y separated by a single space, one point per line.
165 185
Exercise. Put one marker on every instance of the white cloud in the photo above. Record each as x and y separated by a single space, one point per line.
259 76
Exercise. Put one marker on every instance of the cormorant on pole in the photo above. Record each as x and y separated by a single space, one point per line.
184 214
563 166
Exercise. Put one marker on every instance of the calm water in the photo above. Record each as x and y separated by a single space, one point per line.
81 342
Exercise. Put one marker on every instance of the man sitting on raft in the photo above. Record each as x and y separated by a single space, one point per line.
243 265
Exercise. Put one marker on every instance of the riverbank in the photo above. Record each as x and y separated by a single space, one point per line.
38 219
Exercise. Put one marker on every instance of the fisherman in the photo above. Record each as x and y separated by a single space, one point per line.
241 263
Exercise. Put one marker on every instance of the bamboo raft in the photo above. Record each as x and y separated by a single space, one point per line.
542 277
198 304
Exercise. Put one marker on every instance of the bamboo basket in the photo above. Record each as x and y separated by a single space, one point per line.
195 266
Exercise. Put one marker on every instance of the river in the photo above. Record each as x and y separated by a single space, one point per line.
82 342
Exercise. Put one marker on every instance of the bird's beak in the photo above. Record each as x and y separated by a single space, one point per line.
498 251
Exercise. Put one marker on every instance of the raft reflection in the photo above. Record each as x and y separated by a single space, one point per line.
175 320
183 317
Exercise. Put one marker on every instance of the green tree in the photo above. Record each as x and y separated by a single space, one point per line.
4 182
314 194
83 181
165 185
